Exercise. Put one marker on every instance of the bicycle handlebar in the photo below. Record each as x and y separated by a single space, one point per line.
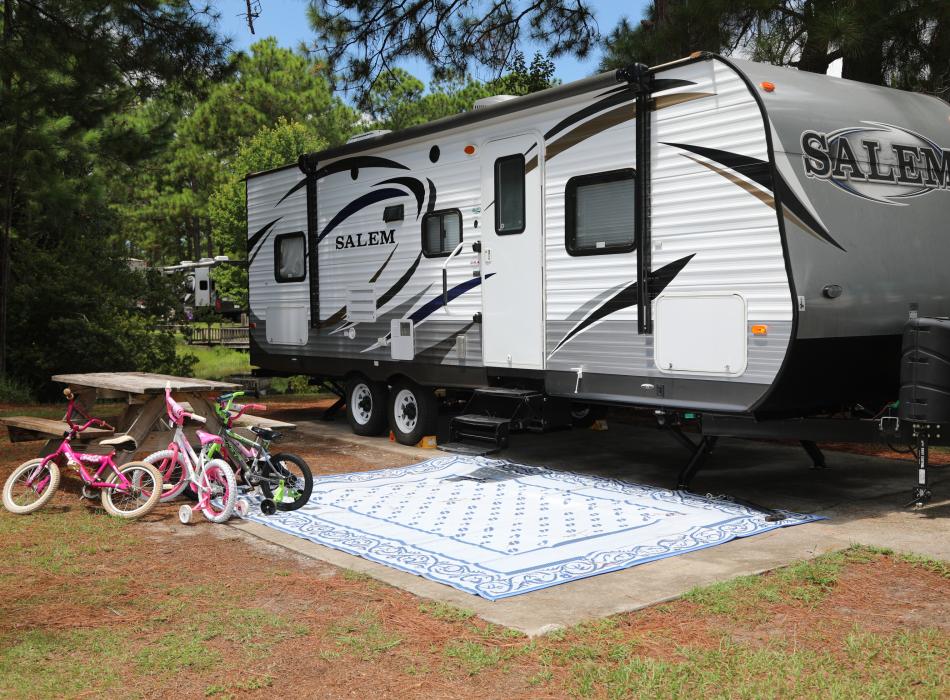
176 412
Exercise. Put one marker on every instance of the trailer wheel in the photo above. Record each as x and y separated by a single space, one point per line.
413 411
583 415
366 406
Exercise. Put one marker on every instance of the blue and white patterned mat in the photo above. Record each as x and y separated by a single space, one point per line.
497 529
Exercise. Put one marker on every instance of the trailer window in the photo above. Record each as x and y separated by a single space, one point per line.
441 232
599 213
509 195
290 257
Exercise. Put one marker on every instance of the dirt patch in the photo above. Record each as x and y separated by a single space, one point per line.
224 615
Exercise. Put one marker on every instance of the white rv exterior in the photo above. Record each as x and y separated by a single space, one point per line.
530 206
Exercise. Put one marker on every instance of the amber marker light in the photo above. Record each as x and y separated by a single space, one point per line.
767 86
760 329
469 150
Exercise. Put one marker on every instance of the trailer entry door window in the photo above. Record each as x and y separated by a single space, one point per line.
509 195
599 213
441 232
290 257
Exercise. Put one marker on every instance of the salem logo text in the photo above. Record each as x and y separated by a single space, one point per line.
880 162
361 240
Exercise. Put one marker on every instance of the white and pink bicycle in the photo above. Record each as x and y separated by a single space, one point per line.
211 480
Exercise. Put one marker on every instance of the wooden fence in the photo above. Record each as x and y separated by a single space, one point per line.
229 336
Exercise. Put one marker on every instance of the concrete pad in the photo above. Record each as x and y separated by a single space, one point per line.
863 498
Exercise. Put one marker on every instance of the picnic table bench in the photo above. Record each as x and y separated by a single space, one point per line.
21 428
144 396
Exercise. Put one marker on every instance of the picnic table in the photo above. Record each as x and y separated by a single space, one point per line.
144 396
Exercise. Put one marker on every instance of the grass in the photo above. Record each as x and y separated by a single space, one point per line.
907 664
364 636
807 582
53 664
216 362
446 612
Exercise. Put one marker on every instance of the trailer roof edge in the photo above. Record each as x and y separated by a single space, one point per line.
535 99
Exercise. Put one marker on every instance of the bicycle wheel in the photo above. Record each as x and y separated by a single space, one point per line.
30 486
173 471
220 477
140 497
287 480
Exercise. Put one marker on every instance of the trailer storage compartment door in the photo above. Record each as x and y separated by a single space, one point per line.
701 334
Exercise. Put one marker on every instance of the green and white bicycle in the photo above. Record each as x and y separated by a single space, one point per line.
284 479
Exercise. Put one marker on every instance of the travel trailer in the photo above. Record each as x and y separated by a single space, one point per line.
711 235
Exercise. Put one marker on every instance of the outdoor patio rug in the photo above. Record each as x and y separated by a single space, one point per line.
498 529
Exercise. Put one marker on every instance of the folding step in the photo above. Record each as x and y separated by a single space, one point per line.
493 413
469 448
506 392
491 429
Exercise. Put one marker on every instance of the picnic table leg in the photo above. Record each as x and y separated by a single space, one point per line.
138 421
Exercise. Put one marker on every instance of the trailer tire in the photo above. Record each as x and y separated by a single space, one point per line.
413 411
365 405
583 415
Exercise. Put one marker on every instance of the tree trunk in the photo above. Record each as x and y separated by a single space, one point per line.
814 57
8 192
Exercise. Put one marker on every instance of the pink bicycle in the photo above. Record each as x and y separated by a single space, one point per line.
211 479
130 490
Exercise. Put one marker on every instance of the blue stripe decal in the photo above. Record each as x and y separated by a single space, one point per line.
436 303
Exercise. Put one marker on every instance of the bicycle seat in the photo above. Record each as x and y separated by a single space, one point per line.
207 438
265 433
126 443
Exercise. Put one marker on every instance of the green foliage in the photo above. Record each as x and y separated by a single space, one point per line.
905 44
14 390
166 208
365 38
213 362
268 148
70 70
299 384
80 308
398 100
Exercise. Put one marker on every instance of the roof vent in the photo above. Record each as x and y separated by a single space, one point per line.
492 101
367 135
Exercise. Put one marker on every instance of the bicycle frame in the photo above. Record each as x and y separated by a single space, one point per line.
246 448
65 455
183 452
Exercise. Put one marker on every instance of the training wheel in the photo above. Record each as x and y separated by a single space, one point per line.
242 507
184 514
268 507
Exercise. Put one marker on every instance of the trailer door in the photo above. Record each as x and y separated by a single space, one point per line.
511 256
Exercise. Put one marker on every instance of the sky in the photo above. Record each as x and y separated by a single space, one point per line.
287 20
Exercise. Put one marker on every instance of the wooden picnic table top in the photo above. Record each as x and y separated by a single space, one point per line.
143 382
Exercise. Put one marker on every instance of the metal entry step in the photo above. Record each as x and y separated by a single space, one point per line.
494 413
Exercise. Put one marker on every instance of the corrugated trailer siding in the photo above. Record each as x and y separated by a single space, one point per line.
732 234
262 195
695 210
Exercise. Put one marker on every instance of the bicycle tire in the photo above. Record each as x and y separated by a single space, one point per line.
147 505
220 471
174 486
54 479
304 494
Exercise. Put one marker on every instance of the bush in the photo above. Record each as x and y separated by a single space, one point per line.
13 390
77 307
298 384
